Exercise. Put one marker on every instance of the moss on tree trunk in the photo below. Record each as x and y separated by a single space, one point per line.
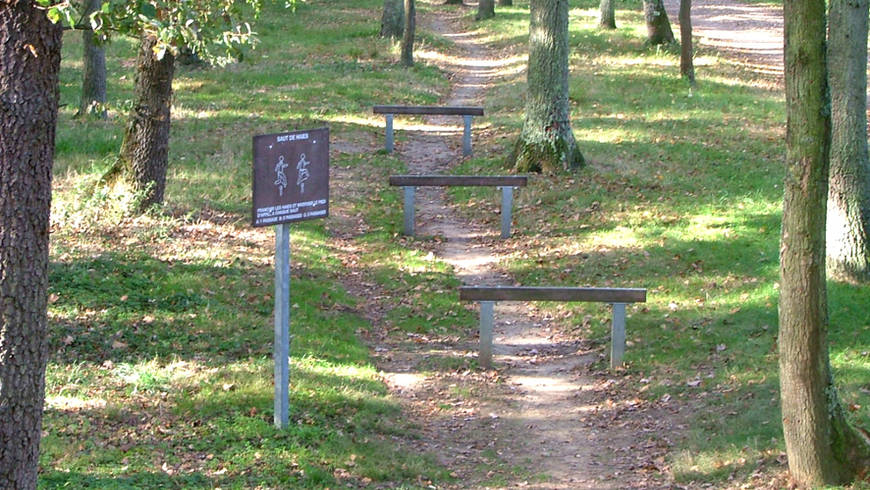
822 448
546 143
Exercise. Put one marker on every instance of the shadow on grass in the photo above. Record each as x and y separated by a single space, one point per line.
74 479
132 306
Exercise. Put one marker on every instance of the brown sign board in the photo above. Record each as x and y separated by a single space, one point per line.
291 177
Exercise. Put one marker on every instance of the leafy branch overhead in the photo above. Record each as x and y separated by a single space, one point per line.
215 30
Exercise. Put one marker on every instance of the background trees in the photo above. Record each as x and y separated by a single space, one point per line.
485 9
822 448
848 228
607 14
94 71
687 66
658 26
393 19
29 64
213 30
546 143
144 155
407 57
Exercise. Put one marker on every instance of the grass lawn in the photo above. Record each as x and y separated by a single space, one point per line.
682 195
160 325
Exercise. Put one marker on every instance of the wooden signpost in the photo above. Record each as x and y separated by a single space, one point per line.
290 183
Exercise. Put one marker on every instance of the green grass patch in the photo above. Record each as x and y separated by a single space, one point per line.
161 325
682 196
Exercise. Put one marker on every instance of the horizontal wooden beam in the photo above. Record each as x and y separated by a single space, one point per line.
537 293
429 109
459 180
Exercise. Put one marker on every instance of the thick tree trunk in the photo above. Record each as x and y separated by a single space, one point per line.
658 27
145 150
848 230
93 101
408 35
822 448
546 143
607 16
485 9
29 65
393 19
687 65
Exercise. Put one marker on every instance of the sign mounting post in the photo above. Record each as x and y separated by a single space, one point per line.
290 183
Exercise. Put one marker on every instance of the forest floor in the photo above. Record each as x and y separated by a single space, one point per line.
747 34
543 418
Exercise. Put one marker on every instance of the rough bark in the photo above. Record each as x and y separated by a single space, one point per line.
393 19
658 27
822 448
29 64
93 101
687 65
607 16
546 143
144 153
848 229
485 9
408 36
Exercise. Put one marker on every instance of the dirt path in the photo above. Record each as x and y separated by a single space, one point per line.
530 423
541 419
750 34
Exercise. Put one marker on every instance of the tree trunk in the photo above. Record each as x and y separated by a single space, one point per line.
607 17
145 150
822 448
687 66
485 9
408 35
506 3
188 57
546 143
658 27
848 230
29 65
93 101
393 19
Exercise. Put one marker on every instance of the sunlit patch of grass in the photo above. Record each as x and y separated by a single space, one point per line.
161 325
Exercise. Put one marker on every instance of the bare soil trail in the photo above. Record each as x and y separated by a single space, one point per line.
540 420
749 34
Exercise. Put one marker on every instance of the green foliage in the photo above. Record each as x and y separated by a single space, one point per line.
214 30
